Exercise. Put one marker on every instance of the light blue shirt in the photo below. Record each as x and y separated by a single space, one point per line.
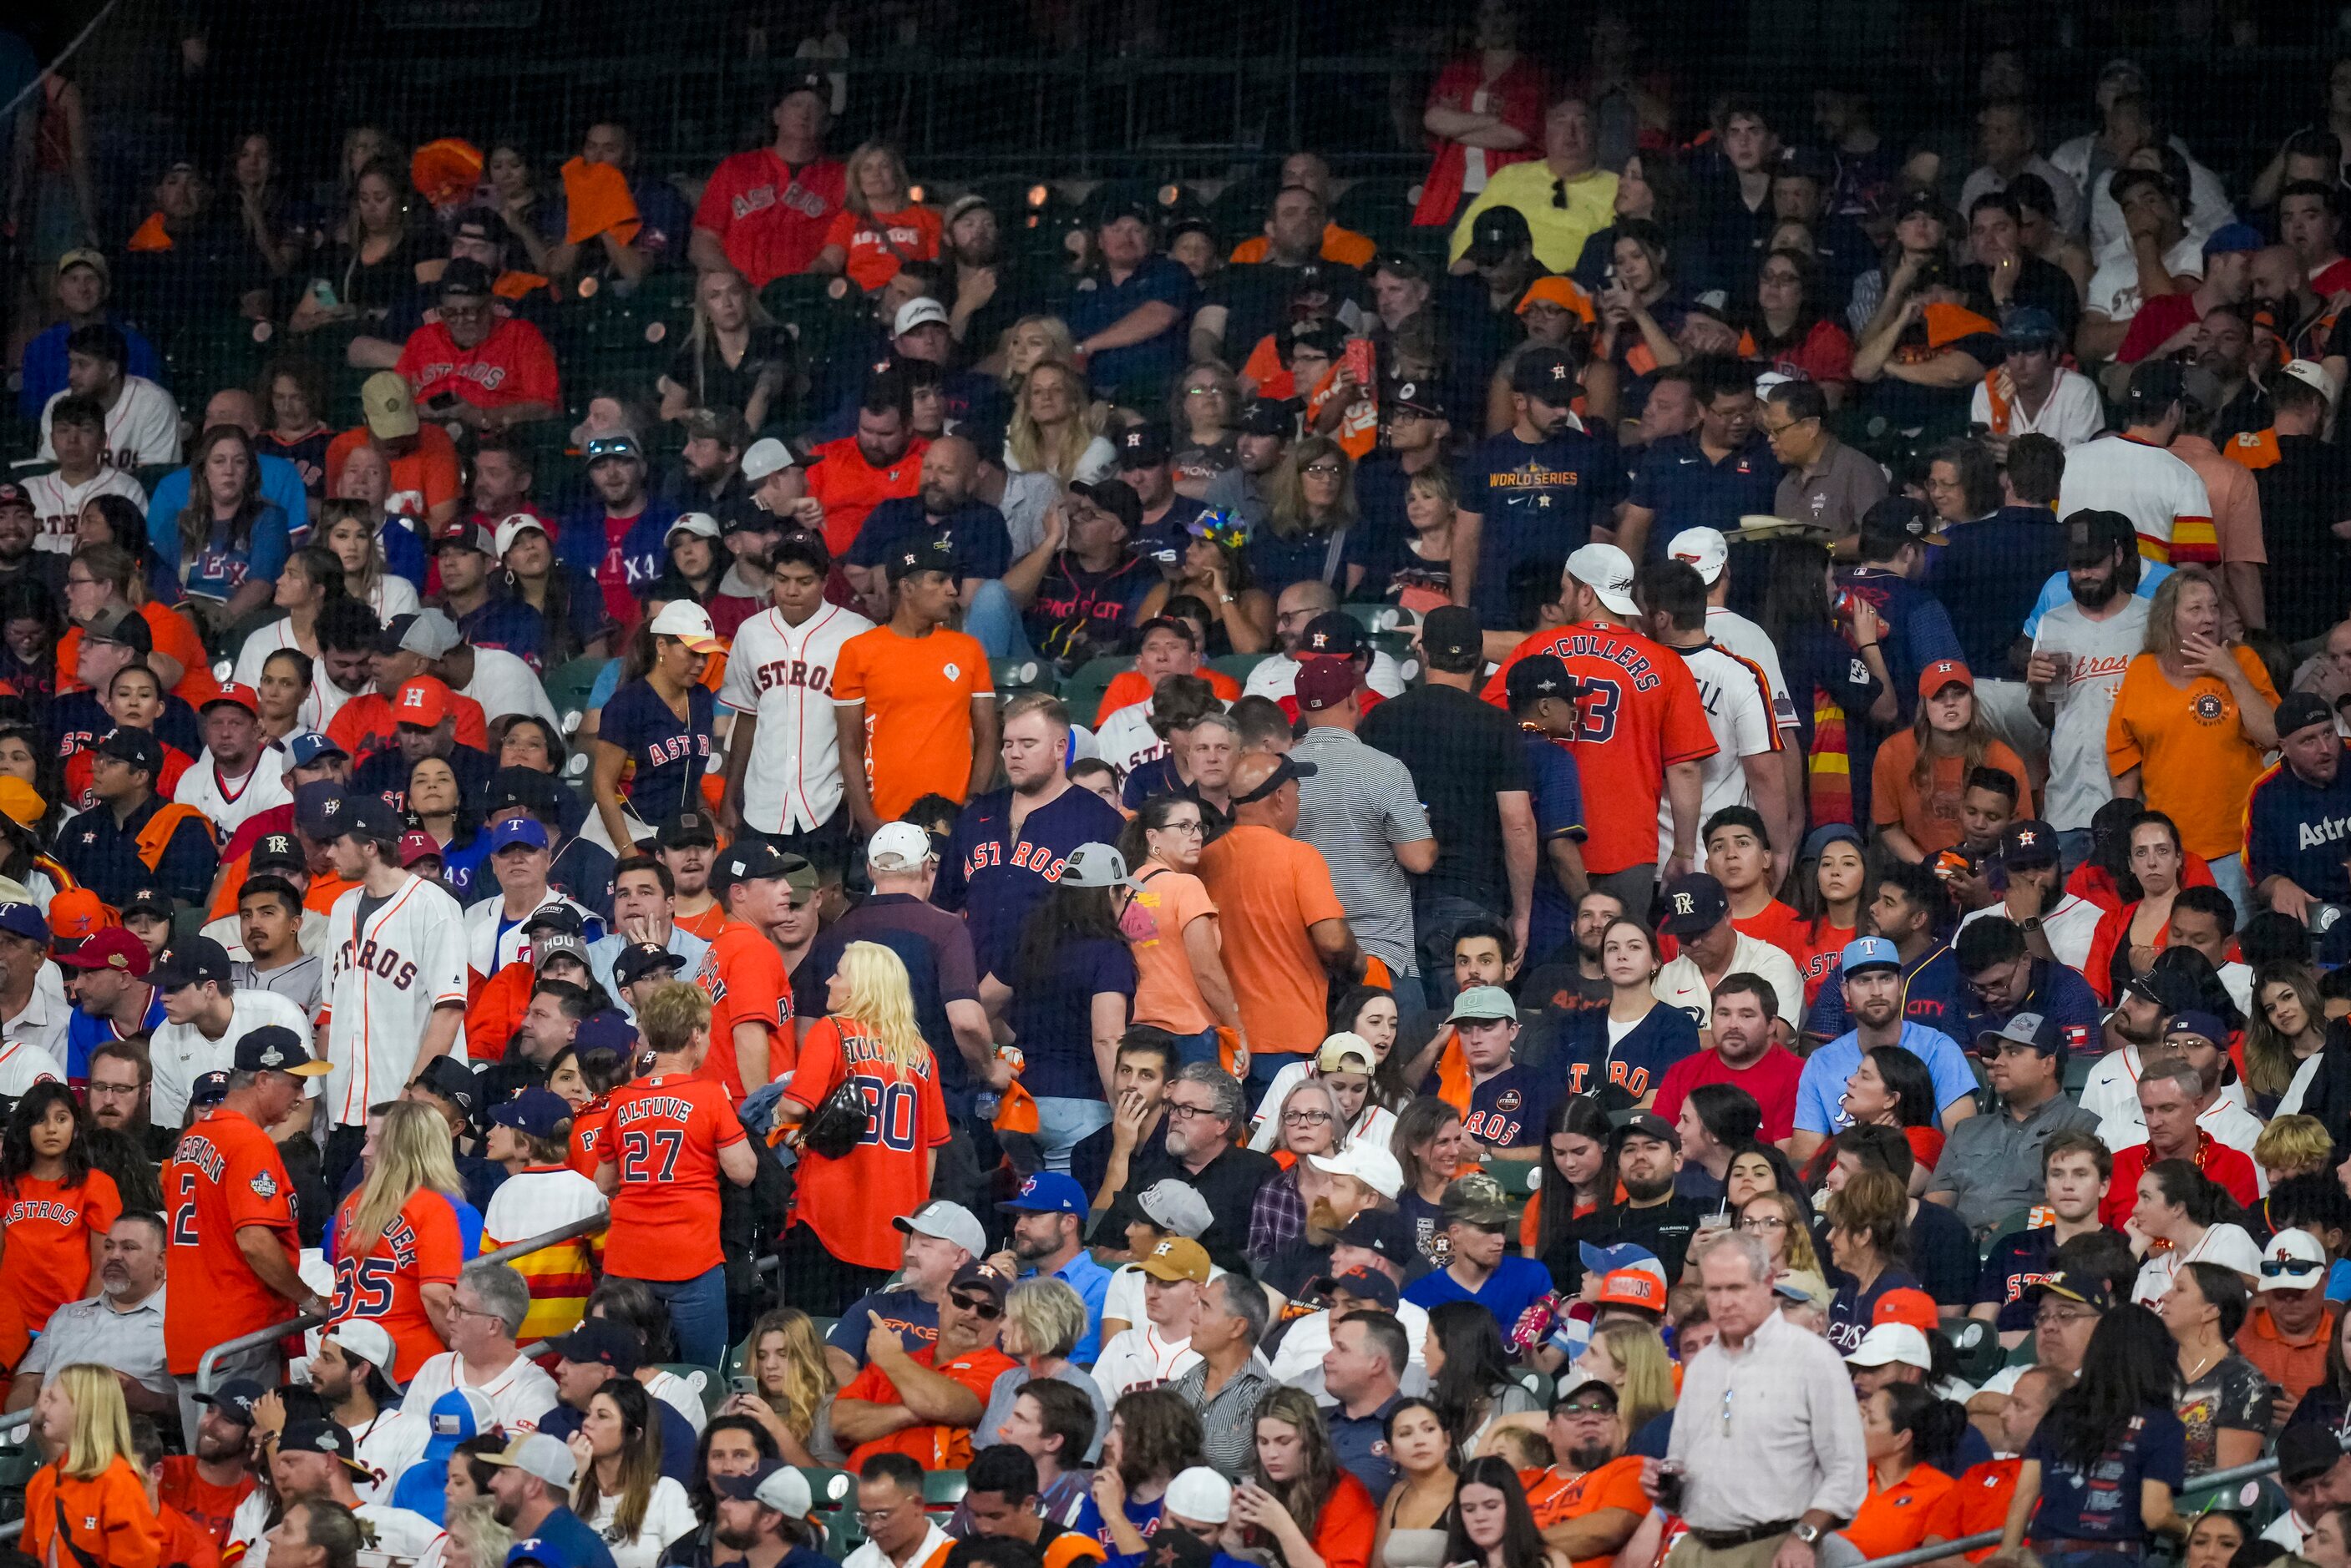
1090 1280
281 485
2055 592
605 951
1820 1093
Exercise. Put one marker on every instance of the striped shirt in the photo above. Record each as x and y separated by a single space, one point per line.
527 1204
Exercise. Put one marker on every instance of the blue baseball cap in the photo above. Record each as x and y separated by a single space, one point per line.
1608 1259
2231 237
22 919
537 1112
544 1550
1869 952
1047 1192
304 749
1816 842
516 830
605 1029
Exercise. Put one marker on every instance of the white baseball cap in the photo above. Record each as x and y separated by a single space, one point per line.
366 1339
513 528
701 525
1177 1207
1332 1054
897 847
765 456
918 312
1368 1163
1889 1343
1608 572
1199 1495
1701 548
689 623
948 1222
2293 1260
537 1454
2311 374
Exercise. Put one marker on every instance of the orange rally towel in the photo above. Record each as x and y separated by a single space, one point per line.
151 236
596 198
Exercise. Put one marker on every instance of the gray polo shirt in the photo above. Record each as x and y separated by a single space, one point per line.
1359 805
93 1331
1993 1162
1833 493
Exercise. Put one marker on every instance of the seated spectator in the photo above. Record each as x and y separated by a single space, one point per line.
488 1307
142 423
1296 1499
882 223
899 1532
120 1326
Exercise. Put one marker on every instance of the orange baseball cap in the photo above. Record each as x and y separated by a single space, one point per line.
1944 672
1560 291
1913 1307
1634 1288
444 170
243 697
422 701
77 914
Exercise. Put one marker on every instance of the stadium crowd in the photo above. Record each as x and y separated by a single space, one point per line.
1657 872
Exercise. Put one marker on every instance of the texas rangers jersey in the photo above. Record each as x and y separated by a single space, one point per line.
1737 696
179 1053
385 978
782 676
229 802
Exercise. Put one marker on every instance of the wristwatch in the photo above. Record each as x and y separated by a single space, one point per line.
1809 1534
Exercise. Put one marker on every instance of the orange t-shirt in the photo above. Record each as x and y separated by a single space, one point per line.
1897 1518
1341 245
747 983
665 1133
420 1247
214 1508
917 693
850 487
429 468
1780 925
935 1448
875 245
706 925
47 1227
1556 1497
223 1175
173 637
496 1011
186 1544
1268 889
1977 1502
1932 819
1128 687
849 1202
1342 1536
1166 992
365 725
324 889
2195 765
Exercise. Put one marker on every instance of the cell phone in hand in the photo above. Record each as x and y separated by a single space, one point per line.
745 1387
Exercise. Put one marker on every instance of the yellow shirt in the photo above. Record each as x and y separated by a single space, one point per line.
1559 232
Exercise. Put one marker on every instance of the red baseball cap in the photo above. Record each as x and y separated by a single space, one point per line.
1324 682
1942 673
112 947
245 697
1914 1307
422 701
417 845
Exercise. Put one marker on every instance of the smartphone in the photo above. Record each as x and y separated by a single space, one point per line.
323 292
744 1385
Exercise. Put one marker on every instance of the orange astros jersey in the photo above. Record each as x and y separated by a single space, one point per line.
665 1133
223 1175
1642 713
849 1202
420 1247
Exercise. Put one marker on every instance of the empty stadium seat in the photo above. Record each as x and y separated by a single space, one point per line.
707 1381
1083 691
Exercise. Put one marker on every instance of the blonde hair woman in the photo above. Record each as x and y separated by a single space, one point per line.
403 1281
1030 342
735 355
1310 514
881 226
1055 429
785 1357
89 1503
842 1243
1044 1320
476 1538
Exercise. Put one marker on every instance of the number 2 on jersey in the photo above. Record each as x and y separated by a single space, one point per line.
638 1147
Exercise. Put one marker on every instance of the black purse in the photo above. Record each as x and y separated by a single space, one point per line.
839 1124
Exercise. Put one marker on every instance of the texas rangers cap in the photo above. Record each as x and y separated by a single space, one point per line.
111 948
273 1048
18 919
642 960
1868 953
303 750
1046 1192
525 831
1695 902
417 846
190 962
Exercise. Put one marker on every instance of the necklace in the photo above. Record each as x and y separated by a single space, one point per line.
2201 1366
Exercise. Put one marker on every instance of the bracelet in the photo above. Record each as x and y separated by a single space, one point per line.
1864 647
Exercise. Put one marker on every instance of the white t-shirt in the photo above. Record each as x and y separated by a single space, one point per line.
2098 653
519 1397
23 1065
2113 286
2151 486
1737 696
1140 1358
229 802
2112 1097
181 1054
1123 1298
503 684
782 676
669 1514
56 505
1735 632
1683 985
2069 927
2072 415
1277 677
142 428
679 1395
323 700
1298 1360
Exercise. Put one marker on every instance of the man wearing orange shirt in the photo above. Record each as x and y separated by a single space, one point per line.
369 722
230 1219
421 456
914 703
1306 174
1590 1502
746 973
924 1403
882 461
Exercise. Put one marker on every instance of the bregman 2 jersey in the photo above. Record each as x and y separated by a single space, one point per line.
226 1175
1642 714
782 676
384 977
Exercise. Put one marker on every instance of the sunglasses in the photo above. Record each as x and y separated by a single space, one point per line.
2274 1268
985 1306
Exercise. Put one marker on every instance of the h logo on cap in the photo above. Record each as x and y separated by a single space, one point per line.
413 698
1162 1250
1559 372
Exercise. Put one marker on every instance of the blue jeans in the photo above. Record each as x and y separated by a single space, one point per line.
1064 1122
1200 1047
993 618
697 1315
2228 876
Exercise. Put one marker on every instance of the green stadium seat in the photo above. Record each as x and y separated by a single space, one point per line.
1979 1349
1014 675
1238 665
2079 1065
1379 618
1518 1176
567 686
1239 209
1083 691
707 1381
1540 1384
942 1488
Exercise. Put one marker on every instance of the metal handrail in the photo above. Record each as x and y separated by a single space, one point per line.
1919 1556
208 1366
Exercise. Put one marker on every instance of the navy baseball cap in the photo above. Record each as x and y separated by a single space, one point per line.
277 850
602 1342
234 1399
274 1048
22 919
304 749
1046 1192
538 1112
1383 1232
2028 327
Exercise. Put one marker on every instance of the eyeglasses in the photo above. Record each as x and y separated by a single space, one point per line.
1204 391
1177 1110
2050 1317
1784 279
1764 1222
1322 469
1184 827
1304 1118
985 1306
870 1517
1572 1411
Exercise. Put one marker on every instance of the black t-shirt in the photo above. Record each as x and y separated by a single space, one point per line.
2303 494
711 383
1943 1255
1666 1229
1462 754
2040 286
1256 297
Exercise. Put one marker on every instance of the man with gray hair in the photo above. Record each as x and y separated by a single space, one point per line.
1230 1378
1202 1112
485 1312
1764 1484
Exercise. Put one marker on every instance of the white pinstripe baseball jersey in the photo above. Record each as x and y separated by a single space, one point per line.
782 675
382 984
